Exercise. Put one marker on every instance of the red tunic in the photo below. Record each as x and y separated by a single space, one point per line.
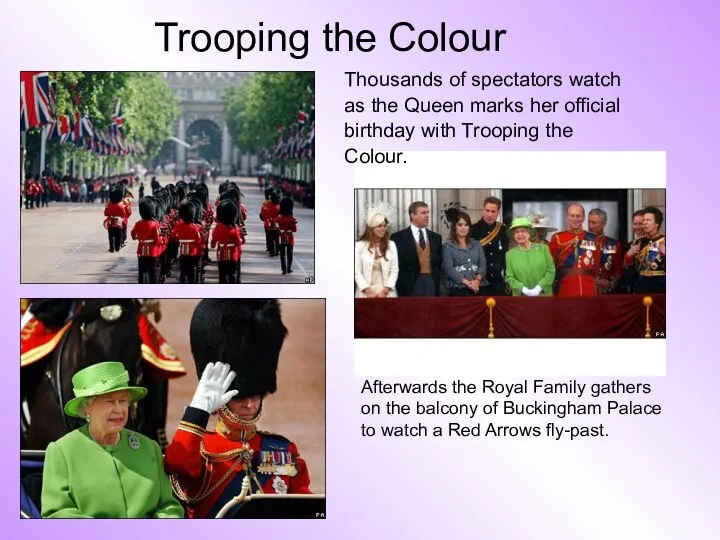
287 226
128 209
192 471
228 242
117 215
191 241
147 233
574 254
268 213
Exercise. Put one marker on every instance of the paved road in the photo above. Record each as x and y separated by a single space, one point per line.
66 243
297 409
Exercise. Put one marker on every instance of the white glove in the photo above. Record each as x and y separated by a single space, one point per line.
211 393
525 291
537 290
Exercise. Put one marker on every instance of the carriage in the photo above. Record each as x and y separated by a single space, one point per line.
243 506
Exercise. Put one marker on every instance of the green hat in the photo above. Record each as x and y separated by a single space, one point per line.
100 379
521 222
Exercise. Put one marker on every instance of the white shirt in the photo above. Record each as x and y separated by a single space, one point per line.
417 232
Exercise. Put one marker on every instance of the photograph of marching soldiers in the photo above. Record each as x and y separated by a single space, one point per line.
147 408
602 243
167 177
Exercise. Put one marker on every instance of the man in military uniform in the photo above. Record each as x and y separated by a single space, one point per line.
492 235
609 259
647 256
236 345
574 252
627 283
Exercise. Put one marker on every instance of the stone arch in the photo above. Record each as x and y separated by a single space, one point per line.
205 135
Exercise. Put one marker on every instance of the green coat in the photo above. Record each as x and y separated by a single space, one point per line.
530 268
83 479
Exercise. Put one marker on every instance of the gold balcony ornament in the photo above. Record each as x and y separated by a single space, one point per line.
490 303
647 302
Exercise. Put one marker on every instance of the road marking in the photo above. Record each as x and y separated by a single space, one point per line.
63 261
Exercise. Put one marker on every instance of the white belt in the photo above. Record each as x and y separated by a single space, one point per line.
226 245
185 241
146 241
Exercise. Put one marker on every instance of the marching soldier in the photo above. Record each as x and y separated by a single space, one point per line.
269 211
492 235
115 218
228 239
236 345
287 225
574 252
128 212
609 259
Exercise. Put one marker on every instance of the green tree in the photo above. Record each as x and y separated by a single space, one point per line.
255 110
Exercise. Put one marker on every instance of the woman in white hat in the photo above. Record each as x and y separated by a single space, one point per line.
542 225
376 257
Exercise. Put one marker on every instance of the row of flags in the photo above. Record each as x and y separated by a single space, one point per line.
37 109
297 143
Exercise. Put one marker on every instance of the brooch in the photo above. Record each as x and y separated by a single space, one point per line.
279 485
134 442
111 313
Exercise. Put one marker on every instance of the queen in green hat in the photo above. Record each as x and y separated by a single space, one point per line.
103 469
529 267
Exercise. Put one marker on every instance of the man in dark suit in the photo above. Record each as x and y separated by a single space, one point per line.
419 255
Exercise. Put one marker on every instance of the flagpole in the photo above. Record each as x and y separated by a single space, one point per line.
23 137
43 142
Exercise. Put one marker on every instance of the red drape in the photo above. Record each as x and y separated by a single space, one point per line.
612 316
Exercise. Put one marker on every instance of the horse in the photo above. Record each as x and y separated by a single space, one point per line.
101 330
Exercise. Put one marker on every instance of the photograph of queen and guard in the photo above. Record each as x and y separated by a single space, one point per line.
465 262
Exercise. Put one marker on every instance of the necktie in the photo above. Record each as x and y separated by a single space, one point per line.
422 240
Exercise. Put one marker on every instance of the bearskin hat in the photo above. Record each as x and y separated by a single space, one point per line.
147 208
222 188
247 334
286 206
51 311
197 208
227 213
187 212
274 197
116 194
268 191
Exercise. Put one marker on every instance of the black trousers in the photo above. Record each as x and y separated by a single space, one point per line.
286 258
227 271
147 270
272 239
189 268
115 238
124 234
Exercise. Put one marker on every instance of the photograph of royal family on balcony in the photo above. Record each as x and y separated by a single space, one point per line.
502 263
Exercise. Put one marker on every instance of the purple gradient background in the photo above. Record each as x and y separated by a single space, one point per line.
654 478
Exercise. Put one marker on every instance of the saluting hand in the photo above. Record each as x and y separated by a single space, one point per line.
211 393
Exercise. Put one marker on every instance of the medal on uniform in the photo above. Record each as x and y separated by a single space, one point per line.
279 485
133 441
278 463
